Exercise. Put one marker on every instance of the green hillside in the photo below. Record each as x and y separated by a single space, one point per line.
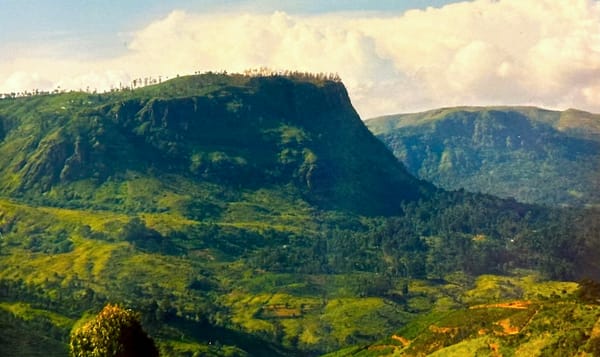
530 154
500 316
179 138
241 216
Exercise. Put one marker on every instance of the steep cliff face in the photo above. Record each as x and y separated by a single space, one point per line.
238 132
530 154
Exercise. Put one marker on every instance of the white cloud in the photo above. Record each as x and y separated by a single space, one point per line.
19 81
541 52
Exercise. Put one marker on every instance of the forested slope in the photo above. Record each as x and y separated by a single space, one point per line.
530 154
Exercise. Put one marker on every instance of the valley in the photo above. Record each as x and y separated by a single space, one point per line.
257 215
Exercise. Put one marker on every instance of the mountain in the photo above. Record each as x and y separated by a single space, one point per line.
236 132
242 215
204 203
530 154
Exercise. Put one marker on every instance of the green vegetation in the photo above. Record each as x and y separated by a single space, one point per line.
244 215
533 155
515 322
114 332
170 146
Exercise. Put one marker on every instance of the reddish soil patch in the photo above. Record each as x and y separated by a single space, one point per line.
507 328
519 304
403 340
495 348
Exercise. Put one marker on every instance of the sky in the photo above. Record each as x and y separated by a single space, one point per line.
393 56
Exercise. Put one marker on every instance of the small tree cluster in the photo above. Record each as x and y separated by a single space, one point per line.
135 83
27 93
267 72
115 332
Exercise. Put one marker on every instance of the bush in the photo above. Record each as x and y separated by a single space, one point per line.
115 332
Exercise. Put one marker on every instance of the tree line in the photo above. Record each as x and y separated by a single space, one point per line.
141 82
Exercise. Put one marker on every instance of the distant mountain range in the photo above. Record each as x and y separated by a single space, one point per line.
530 154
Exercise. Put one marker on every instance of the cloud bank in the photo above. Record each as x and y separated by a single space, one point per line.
485 52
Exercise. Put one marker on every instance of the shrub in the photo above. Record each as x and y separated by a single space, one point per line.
114 332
